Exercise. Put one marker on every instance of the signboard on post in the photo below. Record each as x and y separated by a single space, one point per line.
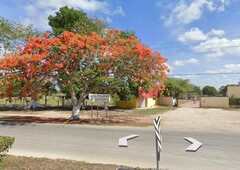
99 97
105 98
158 138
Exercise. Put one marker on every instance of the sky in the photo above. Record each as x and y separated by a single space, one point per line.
200 38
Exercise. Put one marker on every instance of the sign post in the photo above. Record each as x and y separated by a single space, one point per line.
100 98
106 109
158 139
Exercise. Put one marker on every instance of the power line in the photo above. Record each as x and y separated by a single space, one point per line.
188 42
202 74
201 50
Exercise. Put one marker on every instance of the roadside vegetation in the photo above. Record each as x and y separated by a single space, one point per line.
6 143
9 162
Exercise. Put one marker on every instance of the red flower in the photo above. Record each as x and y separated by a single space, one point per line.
46 35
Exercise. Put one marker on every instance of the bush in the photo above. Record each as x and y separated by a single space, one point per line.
234 101
6 143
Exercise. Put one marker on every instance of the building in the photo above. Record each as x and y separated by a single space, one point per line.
145 99
233 91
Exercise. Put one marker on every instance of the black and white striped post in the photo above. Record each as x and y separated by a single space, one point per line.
158 138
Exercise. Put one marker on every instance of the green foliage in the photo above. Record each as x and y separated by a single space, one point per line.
223 90
70 19
179 87
127 34
14 34
6 143
127 91
209 91
234 101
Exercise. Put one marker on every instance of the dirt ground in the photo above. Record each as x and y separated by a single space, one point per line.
189 116
119 117
186 116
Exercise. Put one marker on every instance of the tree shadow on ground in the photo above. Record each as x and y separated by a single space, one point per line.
29 120
57 108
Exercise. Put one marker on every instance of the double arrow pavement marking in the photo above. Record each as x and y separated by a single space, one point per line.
194 146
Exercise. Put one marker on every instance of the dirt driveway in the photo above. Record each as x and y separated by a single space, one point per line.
201 119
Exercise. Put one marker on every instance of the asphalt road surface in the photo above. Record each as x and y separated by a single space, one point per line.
99 144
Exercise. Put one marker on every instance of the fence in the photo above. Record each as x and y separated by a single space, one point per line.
165 100
45 101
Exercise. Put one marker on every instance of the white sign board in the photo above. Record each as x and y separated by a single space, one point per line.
99 97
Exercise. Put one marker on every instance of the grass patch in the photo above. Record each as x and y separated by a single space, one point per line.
152 111
20 163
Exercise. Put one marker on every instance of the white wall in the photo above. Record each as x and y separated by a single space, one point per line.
141 102
215 102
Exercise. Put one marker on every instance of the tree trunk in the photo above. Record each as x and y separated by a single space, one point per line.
76 106
77 103
10 102
75 112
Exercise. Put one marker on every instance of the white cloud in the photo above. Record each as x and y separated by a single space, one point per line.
192 61
218 47
87 5
118 11
195 34
179 63
39 10
217 32
215 80
212 44
184 13
228 68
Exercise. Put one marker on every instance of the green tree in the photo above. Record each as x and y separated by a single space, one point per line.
179 87
13 34
76 21
223 90
209 91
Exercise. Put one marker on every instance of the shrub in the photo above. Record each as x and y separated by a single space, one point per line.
6 143
234 101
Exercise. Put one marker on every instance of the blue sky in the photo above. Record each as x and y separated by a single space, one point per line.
197 36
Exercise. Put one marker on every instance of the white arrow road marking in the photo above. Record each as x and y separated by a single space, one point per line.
194 146
122 142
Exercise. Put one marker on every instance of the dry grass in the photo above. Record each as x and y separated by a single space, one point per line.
27 163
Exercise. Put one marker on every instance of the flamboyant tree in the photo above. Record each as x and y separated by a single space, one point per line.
23 75
85 64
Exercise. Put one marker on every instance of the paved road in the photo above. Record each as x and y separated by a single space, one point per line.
100 144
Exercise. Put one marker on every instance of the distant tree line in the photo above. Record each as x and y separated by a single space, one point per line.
182 88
